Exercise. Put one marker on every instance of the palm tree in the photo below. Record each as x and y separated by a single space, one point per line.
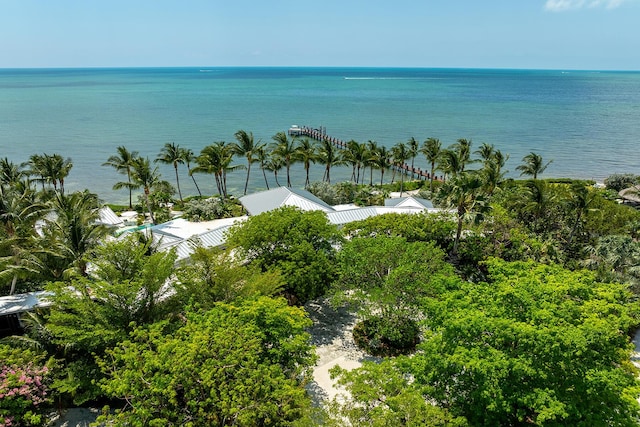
413 146
307 153
274 164
74 231
533 165
245 146
171 154
432 149
381 160
123 162
486 152
370 160
355 155
10 173
286 149
35 167
216 159
464 194
329 156
19 211
400 156
61 169
462 148
142 176
262 156
188 157
580 202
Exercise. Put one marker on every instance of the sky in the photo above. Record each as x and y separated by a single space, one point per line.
534 34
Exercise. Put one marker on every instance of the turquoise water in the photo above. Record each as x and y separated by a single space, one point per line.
588 122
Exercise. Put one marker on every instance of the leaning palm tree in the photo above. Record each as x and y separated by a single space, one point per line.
262 157
245 146
171 154
533 165
274 164
216 159
142 176
123 162
432 149
188 157
286 149
307 153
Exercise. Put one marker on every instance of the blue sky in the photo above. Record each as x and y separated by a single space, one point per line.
552 34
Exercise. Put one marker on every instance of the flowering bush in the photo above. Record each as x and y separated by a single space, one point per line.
23 390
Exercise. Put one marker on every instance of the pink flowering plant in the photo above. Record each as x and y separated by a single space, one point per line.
23 389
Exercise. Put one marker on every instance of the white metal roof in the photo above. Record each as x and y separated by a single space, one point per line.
409 202
269 200
13 304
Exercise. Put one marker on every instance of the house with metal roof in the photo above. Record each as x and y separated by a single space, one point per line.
409 202
269 200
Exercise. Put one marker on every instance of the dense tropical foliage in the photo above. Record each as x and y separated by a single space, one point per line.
514 305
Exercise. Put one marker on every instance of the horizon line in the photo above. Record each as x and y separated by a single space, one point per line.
204 67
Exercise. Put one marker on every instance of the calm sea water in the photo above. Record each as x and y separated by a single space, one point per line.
587 122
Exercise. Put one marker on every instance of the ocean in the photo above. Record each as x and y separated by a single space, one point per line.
587 122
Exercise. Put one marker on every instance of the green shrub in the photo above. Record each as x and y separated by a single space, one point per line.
620 181
387 336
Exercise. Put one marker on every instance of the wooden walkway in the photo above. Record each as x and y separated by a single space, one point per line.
321 135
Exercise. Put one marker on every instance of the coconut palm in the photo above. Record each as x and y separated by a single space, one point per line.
216 159
19 211
10 173
370 160
188 157
73 229
381 160
462 148
123 162
306 154
245 146
463 193
413 146
401 154
486 152
60 168
171 154
142 176
355 156
262 157
533 165
274 164
329 156
286 149
36 168
432 149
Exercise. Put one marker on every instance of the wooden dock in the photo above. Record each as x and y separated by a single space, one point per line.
320 134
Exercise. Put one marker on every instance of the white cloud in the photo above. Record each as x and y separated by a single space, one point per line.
562 5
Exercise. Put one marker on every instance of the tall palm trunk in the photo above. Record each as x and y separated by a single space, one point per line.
146 197
175 167
246 183
264 174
